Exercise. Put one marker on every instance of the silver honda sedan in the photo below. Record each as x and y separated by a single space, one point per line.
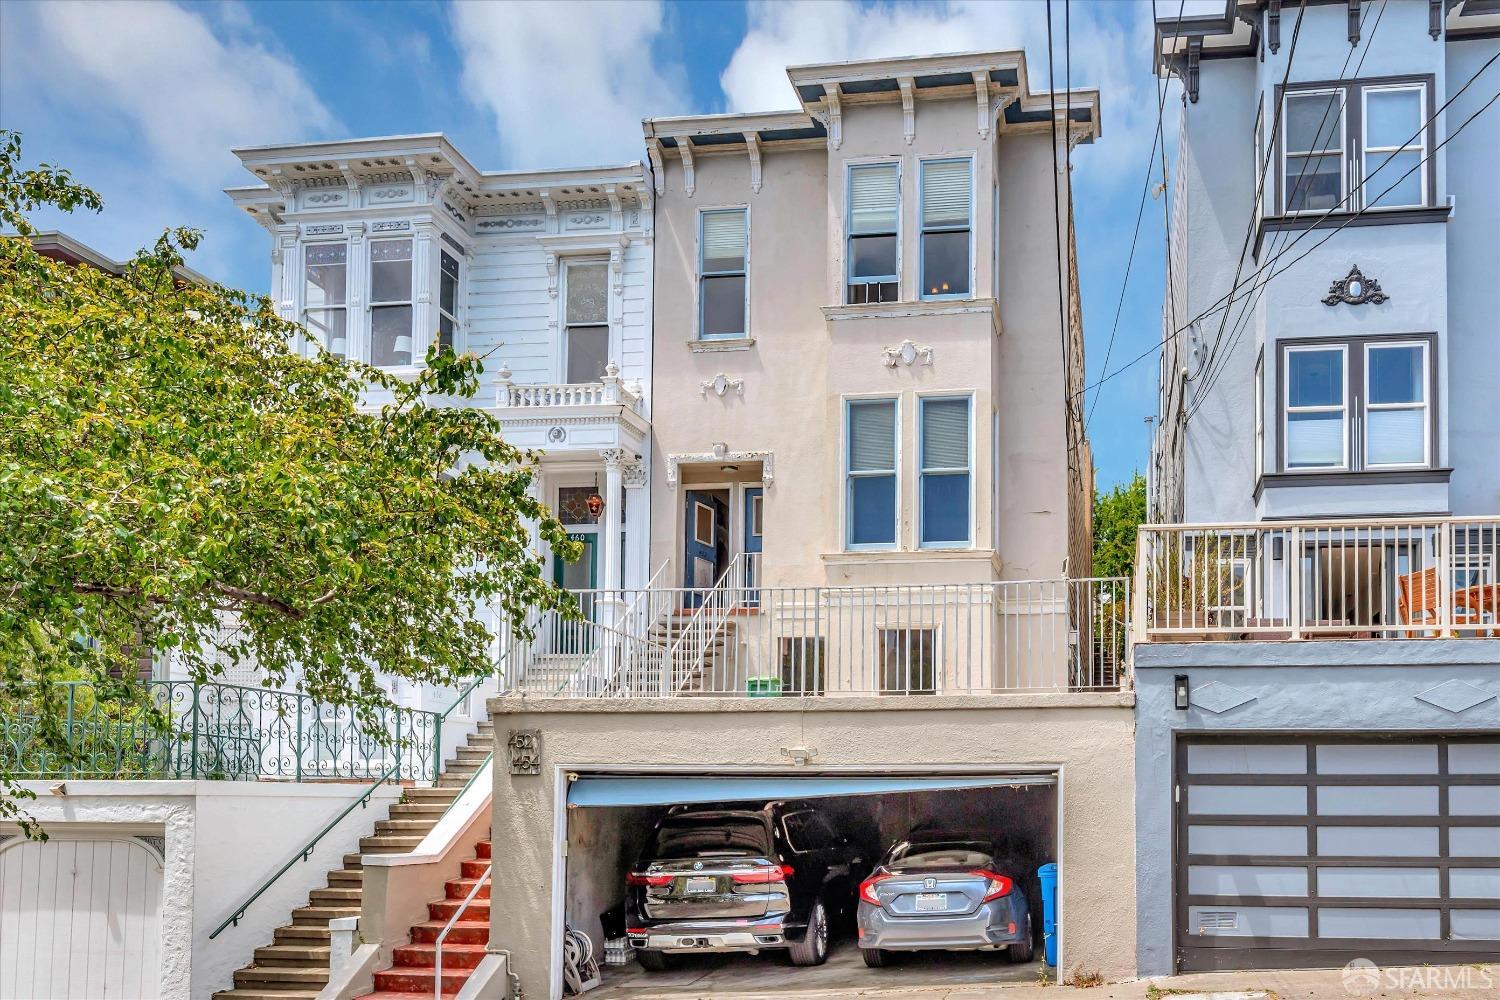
933 893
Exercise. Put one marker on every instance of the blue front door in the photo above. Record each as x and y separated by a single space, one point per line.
705 548
754 536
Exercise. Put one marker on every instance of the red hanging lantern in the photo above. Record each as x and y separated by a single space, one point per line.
596 505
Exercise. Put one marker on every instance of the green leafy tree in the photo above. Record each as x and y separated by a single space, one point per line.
166 459
1117 515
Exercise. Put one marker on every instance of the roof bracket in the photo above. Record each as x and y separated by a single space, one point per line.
752 146
1273 26
658 171
1353 22
685 150
908 107
1194 52
835 121
982 98
1435 19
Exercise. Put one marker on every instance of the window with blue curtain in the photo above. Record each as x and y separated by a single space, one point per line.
945 471
871 494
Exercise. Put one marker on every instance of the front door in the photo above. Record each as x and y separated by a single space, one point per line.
580 577
706 545
754 537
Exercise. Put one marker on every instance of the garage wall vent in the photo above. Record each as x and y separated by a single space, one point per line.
1218 920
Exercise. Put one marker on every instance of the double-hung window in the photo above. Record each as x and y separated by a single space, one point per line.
586 326
1394 146
1358 404
946 212
390 302
871 472
1355 145
447 301
874 233
945 471
1313 173
325 295
723 248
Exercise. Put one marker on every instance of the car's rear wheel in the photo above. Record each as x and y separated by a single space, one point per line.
1023 951
653 960
876 958
813 948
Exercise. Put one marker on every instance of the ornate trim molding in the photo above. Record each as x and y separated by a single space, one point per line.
721 453
721 384
635 474
1354 289
908 354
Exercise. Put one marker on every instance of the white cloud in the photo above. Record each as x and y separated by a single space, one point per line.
567 84
1110 44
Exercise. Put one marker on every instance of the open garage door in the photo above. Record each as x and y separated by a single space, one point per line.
638 790
1296 852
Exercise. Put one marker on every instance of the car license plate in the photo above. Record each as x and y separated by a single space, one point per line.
932 901
701 884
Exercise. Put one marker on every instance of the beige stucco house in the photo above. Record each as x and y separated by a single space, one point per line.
869 514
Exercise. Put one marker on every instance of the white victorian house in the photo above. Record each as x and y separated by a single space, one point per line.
384 247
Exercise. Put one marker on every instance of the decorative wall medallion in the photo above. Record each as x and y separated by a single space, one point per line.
720 384
390 194
325 230
515 224
1455 696
1354 290
592 220
907 353
389 227
325 198
525 746
557 435
1220 698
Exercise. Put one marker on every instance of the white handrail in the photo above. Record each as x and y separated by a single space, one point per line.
437 978
698 624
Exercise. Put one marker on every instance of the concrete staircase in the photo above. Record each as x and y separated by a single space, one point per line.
415 970
704 652
294 966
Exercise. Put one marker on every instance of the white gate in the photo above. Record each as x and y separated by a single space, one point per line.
80 919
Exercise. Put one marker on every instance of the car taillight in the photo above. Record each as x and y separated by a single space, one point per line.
760 876
640 878
867 889
999 885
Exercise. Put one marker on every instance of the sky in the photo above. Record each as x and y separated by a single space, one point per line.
143 101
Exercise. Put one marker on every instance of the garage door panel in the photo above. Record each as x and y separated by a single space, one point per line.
1297 852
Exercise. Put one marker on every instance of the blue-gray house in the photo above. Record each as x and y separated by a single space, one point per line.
1318 612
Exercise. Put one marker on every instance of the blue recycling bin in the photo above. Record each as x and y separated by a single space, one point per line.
1047 875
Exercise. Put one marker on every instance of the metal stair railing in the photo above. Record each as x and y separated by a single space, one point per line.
437 949
710 617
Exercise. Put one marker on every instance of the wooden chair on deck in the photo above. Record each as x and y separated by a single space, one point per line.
1417 603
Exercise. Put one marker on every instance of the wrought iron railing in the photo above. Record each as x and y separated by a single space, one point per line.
1333 579
184 729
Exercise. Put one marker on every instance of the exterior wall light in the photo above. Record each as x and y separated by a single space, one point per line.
1180 693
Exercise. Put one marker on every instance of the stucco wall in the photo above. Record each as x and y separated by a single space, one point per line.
1337 687
223 840
1086 738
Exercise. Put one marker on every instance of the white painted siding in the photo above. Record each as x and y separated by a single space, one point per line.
80 919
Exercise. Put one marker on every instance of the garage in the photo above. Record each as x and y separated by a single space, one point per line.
829 832
1307 852
80 917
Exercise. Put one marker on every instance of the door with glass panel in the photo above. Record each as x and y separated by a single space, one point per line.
586 330
1296 852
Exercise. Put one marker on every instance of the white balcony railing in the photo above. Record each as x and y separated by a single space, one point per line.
1381 579
741 639
609 391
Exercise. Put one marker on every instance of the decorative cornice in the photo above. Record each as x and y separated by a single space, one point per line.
721 453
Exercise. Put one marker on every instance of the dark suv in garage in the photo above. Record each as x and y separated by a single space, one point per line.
740 878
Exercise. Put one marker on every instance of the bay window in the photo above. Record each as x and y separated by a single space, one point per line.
945 471
586 330
447 301
1313 166
1355 145
946 201
874 225
390 302
723 249
325 295
1394 142
870 493
1363 403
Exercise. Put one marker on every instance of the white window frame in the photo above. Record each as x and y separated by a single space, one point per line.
849 475
458 295
698 286
1366 196
922 229
1260 159
1366 407
350 349
1342 150
1260 414
410 303
567 264
849 235
1287 409
923 470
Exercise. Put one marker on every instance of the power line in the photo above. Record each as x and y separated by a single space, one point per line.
1062 319
1225 300
1161 103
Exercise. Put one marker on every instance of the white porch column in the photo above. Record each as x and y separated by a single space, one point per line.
637 526
614 499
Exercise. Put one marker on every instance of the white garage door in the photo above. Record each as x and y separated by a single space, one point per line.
80 919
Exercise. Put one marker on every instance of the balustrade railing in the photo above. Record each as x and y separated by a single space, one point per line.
184 729
1377 579
534 396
